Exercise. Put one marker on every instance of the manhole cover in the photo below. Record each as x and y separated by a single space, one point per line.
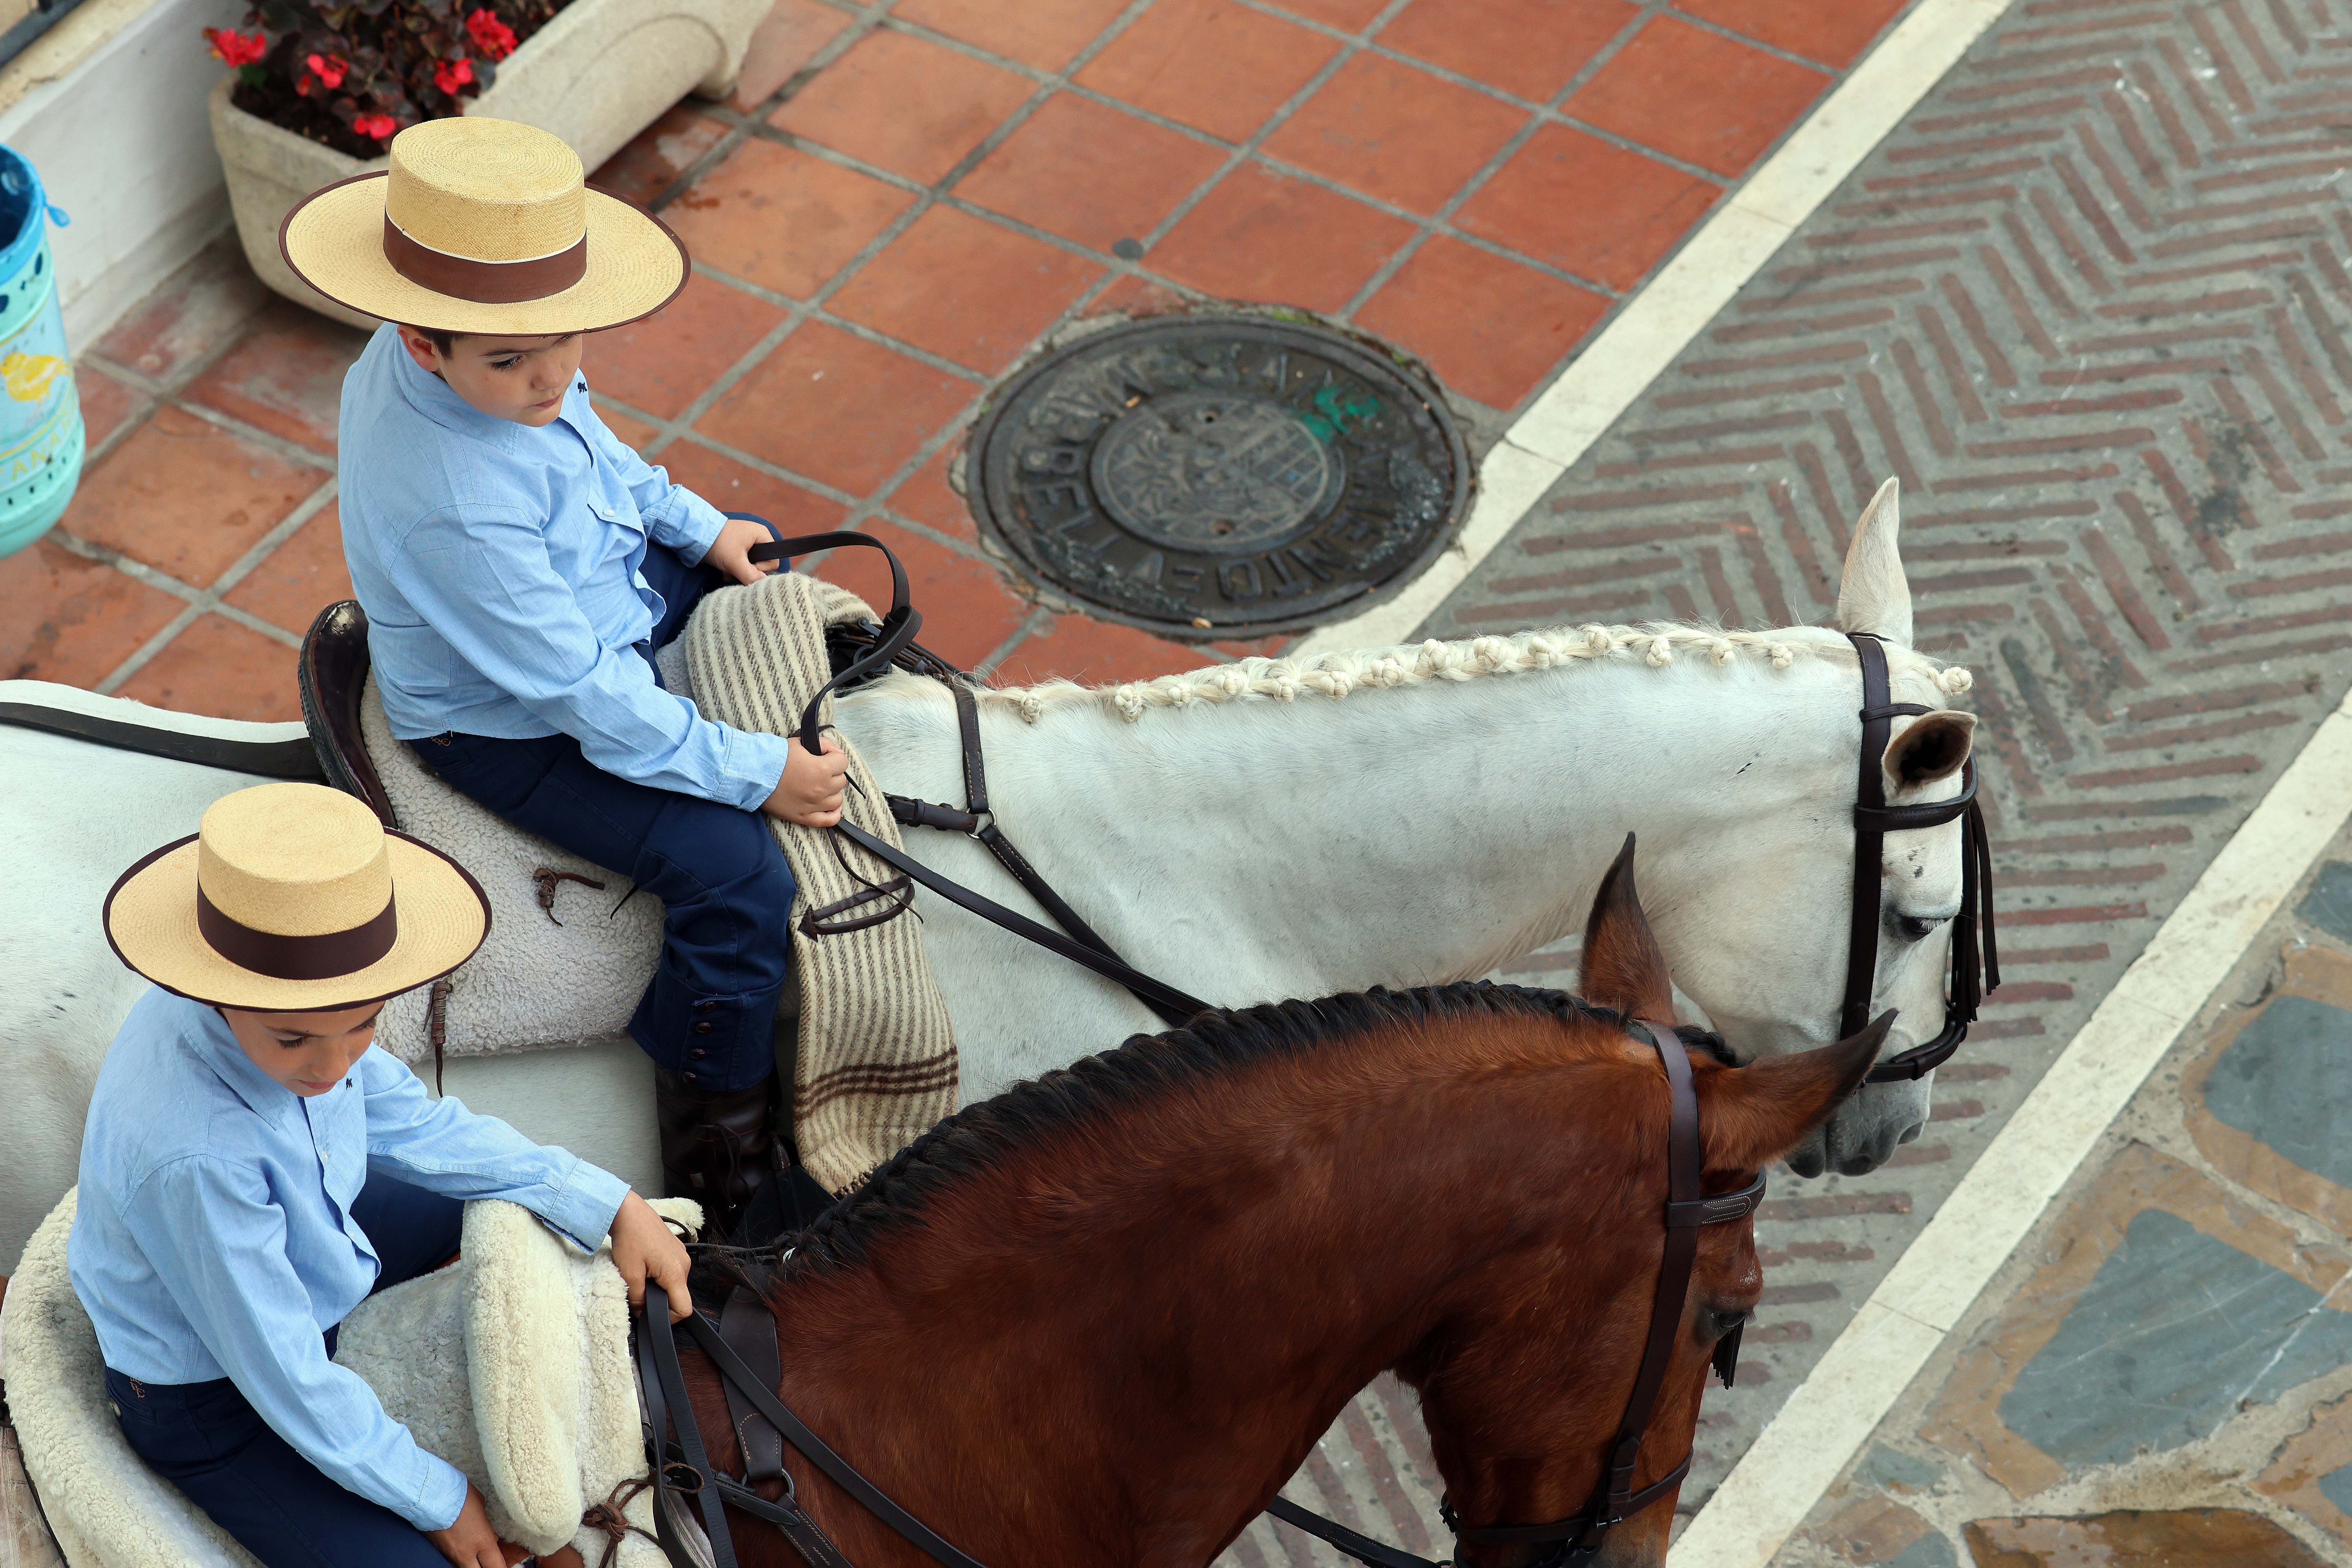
1205 476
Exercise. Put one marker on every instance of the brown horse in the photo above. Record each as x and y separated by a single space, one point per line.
1100 1319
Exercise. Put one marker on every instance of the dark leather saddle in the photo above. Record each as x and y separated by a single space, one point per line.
333 672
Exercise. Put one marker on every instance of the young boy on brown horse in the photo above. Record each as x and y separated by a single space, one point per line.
253 1168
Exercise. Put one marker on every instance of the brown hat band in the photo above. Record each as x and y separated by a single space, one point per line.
325 956
484 282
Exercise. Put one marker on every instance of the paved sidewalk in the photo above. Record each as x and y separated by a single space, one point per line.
899 200
2163 1373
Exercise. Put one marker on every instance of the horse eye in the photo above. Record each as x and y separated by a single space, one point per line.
1915 928
1721 1320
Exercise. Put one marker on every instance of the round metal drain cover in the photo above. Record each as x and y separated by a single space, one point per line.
1204 475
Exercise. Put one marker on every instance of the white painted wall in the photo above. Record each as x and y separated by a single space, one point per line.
122 143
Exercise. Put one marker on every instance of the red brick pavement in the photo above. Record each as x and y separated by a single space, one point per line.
897 202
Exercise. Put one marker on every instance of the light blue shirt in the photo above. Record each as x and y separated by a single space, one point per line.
214 1238
499 565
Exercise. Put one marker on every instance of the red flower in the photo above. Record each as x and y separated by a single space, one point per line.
330 70
235 48
490 35
449 75
379 126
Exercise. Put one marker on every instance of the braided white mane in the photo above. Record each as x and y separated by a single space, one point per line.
1335 675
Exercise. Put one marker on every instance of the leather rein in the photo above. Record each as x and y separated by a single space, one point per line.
682 1469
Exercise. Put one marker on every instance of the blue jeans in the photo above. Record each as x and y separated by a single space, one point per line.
721 880
207 1441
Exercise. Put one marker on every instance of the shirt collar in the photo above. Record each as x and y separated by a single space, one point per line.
431 396
209 1034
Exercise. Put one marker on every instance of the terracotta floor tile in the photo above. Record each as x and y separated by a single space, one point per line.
106 403
781 218
1095 653
1352 14
1139 297
658 154
1276 240
223 670
1491 329
1531 47
301 577
731 486
1587 206
635 432
968 608
1833 31
285 375
1751 95
69 620
838 408
792 34
664 363
1211 64
1042 33
912 106
184 496
1090 173
195 313
1395 133
929 499
965 288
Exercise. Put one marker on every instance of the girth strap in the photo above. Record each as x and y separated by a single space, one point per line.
750 1331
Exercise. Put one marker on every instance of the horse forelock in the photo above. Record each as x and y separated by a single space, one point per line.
1657 644
1122 1100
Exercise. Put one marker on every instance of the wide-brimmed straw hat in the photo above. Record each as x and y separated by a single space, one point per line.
483 225
291 898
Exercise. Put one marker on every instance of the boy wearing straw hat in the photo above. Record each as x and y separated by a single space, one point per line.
520 564
253 1167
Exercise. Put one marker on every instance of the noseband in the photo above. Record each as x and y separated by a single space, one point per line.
684 1469
1874 819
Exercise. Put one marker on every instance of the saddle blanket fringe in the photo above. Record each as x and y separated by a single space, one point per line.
877 1057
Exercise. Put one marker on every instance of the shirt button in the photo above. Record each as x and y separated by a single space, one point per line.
696 1054
706 1007
692 1078
703 1028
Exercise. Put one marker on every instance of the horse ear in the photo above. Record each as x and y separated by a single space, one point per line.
1751 1116
1933 746
1622 967
1872 594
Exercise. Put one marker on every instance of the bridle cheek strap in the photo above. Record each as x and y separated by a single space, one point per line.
1874 819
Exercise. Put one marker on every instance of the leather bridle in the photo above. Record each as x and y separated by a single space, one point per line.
1874 819
684 1469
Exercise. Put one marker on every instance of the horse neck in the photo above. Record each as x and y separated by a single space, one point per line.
1491 807
1114 1348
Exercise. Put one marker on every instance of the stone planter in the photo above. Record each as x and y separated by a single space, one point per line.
598 74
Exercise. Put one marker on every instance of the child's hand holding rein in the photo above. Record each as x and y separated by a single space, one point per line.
810 791
732 551
644 1248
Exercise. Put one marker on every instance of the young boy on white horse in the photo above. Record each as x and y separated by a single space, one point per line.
253 1168
520 565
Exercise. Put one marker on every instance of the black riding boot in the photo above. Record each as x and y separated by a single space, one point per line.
717 1148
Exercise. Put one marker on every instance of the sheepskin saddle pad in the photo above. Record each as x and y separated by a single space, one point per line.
571 948
512 1363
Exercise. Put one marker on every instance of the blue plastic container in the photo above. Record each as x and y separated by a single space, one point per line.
40 417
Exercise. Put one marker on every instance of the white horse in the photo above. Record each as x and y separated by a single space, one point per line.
1238 831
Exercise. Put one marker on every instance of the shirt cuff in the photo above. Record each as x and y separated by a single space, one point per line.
442 1496
754 762
688 524
581 1205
